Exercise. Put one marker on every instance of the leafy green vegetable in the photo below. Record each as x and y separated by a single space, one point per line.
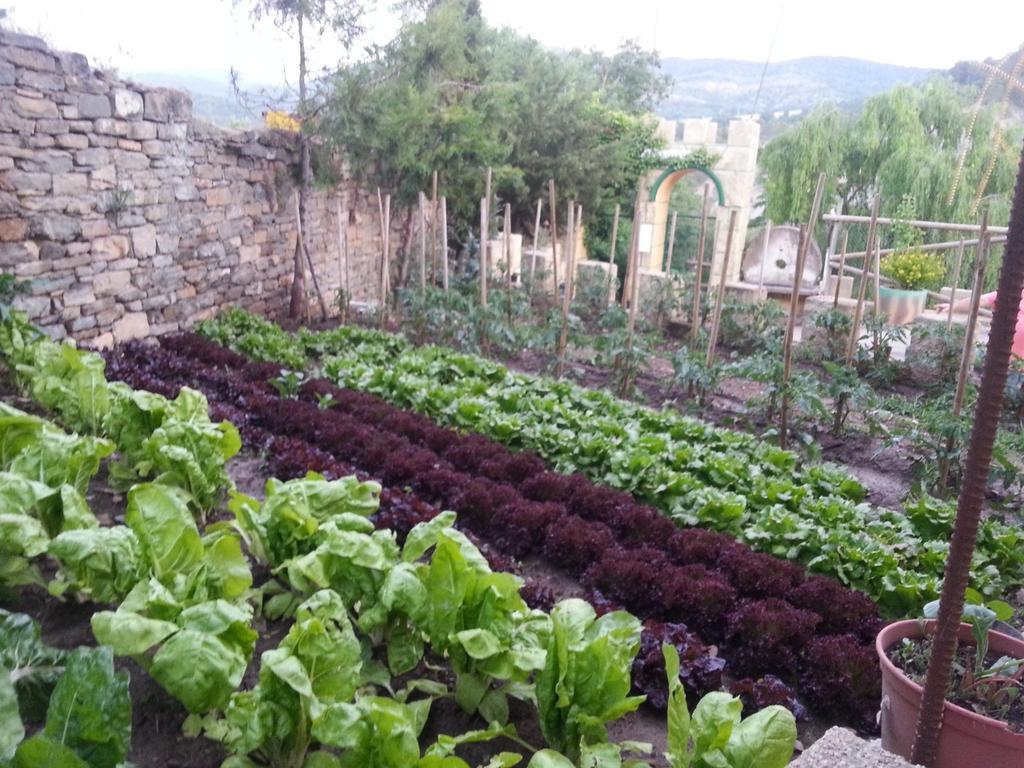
103 563
585 681
716 736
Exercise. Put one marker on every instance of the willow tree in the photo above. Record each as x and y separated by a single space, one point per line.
305 21
906 143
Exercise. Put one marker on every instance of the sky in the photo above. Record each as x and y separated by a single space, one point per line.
212 36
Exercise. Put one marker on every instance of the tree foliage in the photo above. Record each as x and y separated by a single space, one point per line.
454 95
906 142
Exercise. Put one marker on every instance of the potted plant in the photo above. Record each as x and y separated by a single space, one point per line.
914 272
983 717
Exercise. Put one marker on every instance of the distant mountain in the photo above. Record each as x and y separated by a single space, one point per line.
213 98
726 88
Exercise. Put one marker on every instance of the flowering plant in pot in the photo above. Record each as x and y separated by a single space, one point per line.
914 272
983 720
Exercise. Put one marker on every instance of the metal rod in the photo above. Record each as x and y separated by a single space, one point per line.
444 244
764 258
423 245
611 255
787 346
483 251
570 243
553 232
671 243
536 234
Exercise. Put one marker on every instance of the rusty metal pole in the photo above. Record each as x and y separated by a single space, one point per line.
972 494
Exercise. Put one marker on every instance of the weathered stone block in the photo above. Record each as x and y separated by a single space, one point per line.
132 326
130 161
111 247
72 141
43 81
127 103
95 227
25 182
28 106
73 64
93 157
164 104
81 293
111 282
29 59
8 73
218 196
13 229
144 240
47 162
103 178
55 226
173 132
70 184
108 126
91 105
141 131
129 145
52 127
13 254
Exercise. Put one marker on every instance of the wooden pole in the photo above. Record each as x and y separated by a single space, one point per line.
536 235
433 230
483 252
385 276
423 246
570 237
967 353
858 313
444 244
671 243
842 266
764 258
880 221
716 319
699 272
553 231
309 260
953 285
506 247
787 346
611 255
342 264
878 275
629 288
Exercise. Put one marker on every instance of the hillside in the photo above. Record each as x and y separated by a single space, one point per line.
724 88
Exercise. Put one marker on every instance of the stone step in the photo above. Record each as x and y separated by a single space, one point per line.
842 748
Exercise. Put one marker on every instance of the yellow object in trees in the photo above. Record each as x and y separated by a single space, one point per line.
280 121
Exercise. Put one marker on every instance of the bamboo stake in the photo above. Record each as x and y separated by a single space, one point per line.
967 353
570 237
309 260
433 230
858 314
953 285
806 235
385 265
611 255
506 247
716 319
878 275
629 288
444 244
483 252
671 243
553 232
842 265
787 347
536 235
423 245
699 272
342 264
764 258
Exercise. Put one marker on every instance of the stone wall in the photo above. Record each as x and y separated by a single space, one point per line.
131 218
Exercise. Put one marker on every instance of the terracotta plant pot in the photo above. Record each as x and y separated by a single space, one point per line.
901 306
967 740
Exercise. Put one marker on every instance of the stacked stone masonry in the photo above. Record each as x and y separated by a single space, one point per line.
130 218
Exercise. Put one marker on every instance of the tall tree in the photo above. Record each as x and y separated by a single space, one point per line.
306 20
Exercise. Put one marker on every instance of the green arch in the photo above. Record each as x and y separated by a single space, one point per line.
706 171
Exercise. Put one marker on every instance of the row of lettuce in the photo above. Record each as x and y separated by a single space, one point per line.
365 609
772 623
697 474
